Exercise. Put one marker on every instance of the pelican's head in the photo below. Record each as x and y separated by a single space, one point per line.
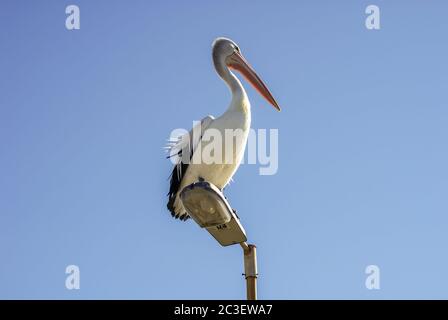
227 51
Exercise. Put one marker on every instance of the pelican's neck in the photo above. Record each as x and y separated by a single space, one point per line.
239 101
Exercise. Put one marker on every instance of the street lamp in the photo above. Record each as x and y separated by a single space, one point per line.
208 207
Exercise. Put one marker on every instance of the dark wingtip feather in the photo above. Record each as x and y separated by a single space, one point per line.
175 181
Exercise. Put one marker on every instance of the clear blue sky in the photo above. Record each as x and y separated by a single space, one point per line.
363 156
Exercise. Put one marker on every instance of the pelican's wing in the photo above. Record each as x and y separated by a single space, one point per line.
180 150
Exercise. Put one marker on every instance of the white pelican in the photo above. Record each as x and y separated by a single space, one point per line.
226 56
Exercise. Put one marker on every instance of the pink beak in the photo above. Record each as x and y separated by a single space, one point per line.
237 62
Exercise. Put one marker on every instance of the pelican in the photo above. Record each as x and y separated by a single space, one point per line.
226 57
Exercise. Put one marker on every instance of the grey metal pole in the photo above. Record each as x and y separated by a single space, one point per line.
250 269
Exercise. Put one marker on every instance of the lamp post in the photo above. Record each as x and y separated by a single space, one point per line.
250 270
208 207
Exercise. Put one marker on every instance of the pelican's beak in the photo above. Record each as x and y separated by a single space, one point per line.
237 62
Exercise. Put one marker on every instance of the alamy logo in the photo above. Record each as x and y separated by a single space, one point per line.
373 18
213 146
73 20
73 279
373 278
